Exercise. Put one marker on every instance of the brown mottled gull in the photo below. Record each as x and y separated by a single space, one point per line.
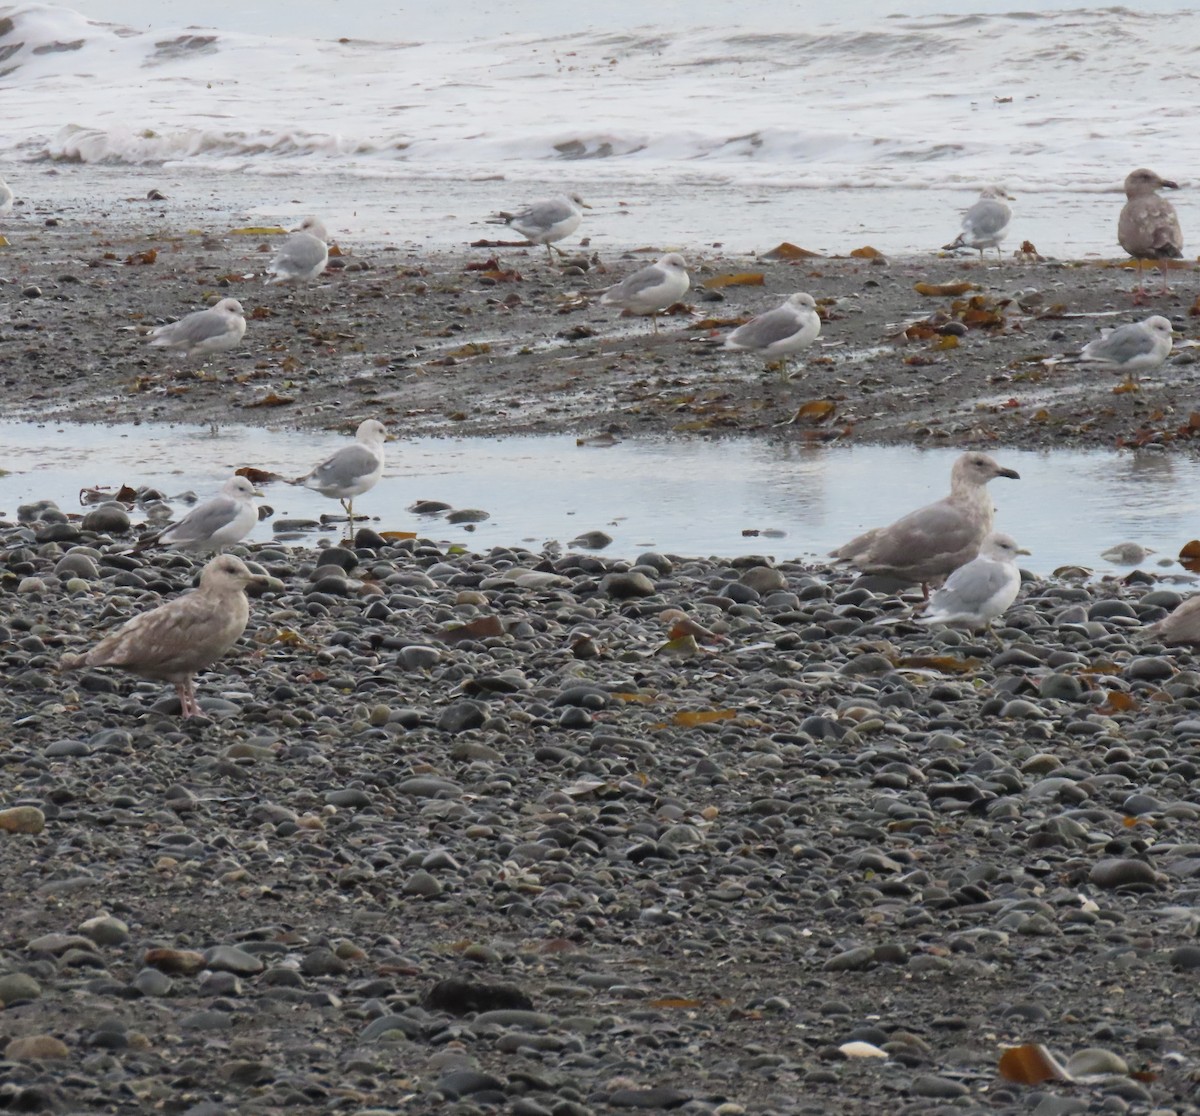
1182 626
1149 226
176 640
932 542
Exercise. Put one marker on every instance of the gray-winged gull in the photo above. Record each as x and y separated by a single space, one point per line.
787 329
6 197
1133 348
547 221
352 470
1148 228
975 594
985 224
932 542
303 255
215 330
176 640
651 288
227 518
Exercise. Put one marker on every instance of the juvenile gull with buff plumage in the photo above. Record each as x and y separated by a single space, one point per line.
175 641
930 543
1148 228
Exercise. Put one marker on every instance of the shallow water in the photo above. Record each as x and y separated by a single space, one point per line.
692 497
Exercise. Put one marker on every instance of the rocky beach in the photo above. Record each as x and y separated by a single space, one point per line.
563 833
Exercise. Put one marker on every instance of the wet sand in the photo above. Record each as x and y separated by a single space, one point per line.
433 345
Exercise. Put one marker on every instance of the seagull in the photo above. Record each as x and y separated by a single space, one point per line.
932 542
1181 626
1148 228
352 470
547 221
985 223
227 518
303 255
215 330
6 197
1132 348
787 329
975 594
652 288
176 640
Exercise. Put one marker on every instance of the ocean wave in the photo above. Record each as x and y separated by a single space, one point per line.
1045 98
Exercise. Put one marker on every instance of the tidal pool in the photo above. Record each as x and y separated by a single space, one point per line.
690 497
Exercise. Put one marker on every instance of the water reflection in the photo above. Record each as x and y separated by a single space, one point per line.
685 497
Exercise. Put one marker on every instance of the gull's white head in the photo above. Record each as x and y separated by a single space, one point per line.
577 201
240 488
314 226
802 300
371 432
230 306
996 192
673 261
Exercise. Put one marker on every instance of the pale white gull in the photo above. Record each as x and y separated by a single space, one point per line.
227 518
975 594
1181 627
930 543
303 255
547 221
6 197
787 329
1148 228
352 470
215 330
985 224
176 640
651 288
1133 348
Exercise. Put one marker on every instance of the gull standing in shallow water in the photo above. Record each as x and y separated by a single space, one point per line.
1148 228
227 518
176 640
352 470
1132 348
652 288
975 594
547 221
215 330
985 224
932 542
303 255
787 329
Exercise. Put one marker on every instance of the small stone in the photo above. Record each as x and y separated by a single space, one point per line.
1096 1060
22 819
230 959
34 1048
1119 872
16 988
625 585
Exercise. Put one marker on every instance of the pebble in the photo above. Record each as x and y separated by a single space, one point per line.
670 862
